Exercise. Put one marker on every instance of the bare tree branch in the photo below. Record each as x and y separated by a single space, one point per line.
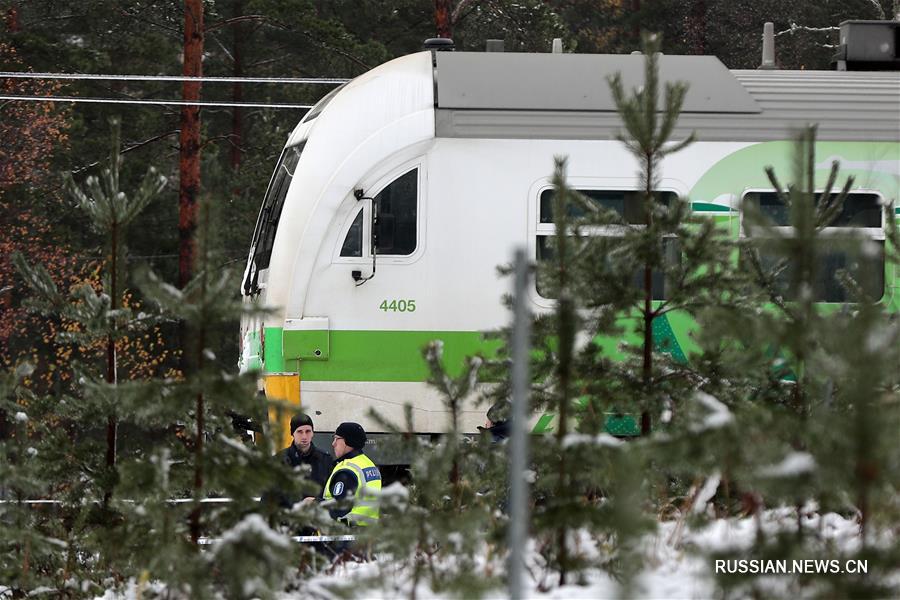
283 26
129 149
174 30
30 24
235 20
879 10
794 28
461 6
222 47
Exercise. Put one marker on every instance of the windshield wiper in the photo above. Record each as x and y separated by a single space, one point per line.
251 278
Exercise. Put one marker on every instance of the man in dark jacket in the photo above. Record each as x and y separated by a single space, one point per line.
302 451
497 423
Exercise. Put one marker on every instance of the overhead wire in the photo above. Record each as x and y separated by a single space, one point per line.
101 77
77 99
96 77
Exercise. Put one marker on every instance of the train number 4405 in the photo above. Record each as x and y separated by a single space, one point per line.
398 305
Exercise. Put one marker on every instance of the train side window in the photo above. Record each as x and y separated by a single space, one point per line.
397 207
630 206
864 260
860 209
628 203
353 243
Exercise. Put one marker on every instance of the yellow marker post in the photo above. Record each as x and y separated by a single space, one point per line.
284 387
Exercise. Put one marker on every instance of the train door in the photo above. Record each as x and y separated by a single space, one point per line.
370 288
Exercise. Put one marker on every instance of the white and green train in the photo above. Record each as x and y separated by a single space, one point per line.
456 149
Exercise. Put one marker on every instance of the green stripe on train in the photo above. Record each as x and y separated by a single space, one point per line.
273 357
544 424
397 355
384 355
618 424
709 207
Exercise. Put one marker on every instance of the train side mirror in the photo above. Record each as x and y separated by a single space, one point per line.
357 276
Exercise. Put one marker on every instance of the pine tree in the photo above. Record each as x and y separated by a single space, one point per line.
796 325
621 288
561 484
137 508
110 211
829 408
72 464
648 141
601 496
206 458
31 552
445 530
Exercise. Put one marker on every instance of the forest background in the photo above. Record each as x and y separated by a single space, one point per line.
57 357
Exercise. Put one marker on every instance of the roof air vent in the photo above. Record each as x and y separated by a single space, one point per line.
768 50
438 44
868 46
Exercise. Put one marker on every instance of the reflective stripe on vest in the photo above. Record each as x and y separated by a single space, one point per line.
368 482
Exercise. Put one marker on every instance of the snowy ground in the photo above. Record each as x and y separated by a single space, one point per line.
674 565
674 574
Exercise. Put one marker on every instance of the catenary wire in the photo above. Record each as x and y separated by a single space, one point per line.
76 99
89 76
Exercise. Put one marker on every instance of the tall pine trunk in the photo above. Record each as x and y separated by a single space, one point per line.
111 373
566 330
647 140
566 347
188 195
647 367
442 24
199 359
189 140
12 19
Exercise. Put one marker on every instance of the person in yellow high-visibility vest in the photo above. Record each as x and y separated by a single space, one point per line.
354 478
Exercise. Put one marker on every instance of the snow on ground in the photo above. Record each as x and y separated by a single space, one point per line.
674 567
671 572
795 463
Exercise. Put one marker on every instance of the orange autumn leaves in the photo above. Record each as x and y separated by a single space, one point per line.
30 194
31 131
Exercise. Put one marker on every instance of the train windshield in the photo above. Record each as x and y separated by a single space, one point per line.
269 215
316 110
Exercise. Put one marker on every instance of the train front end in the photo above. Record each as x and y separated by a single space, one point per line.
332 150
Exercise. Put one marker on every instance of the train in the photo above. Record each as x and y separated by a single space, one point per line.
447 157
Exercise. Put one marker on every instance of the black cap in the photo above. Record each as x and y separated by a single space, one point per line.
299 420
353 433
